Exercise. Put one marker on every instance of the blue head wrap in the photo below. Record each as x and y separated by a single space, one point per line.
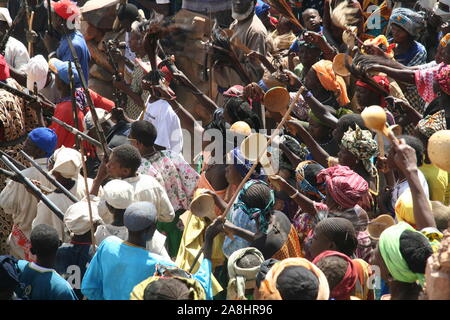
45 139
242 165
261 8
61 68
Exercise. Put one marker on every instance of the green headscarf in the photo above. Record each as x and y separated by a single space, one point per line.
389 245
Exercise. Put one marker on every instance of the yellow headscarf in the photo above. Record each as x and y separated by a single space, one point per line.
331 81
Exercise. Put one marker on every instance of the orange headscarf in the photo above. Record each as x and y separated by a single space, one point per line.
268 289
331 81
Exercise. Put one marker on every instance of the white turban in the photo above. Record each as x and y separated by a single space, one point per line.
37 71
5 16
67 162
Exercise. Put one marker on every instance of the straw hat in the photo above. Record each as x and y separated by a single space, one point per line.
202 205
277 99
439 149
379 224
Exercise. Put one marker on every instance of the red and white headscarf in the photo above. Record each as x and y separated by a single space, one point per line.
344 185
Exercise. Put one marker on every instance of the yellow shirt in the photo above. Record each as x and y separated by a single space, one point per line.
437 180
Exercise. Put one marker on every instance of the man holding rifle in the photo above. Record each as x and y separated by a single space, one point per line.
63 110
64 15
17 201
16 120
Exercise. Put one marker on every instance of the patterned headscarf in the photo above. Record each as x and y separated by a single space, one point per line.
360 143
443 78
162 290
432 124
330 81
304 185
343 289
263 215
343 184
425 79
408 19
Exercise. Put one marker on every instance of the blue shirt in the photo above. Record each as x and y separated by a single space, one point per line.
203 276
63 52
43 284
116 268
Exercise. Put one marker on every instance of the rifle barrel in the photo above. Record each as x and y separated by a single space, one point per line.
50 178
77 132
34 189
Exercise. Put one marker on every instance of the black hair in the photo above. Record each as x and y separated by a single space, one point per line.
128 157
256 196
350 121
167 289
44 240
144 132
263 270
115 211
351 215
248 261
311 173
297 283
239 110
334 269
417 145
341 232
127 12
415 249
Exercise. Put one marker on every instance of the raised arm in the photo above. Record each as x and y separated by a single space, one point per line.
405 158
320 155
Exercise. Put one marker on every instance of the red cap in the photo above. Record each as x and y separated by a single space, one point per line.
65 8
4 69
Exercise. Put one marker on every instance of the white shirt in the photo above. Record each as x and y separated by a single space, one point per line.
167 124
21 204
46 216
147 188
16 54
402 187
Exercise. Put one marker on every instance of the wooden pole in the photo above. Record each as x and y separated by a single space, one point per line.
30 28
87 194
255 164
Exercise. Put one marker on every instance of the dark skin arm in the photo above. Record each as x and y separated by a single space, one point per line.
101 176
301 200
211 232
401 75
320 155
324 113
406 161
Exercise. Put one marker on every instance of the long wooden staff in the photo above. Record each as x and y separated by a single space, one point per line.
30 28
83 153
255 164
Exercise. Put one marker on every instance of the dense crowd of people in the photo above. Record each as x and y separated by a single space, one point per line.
231 153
